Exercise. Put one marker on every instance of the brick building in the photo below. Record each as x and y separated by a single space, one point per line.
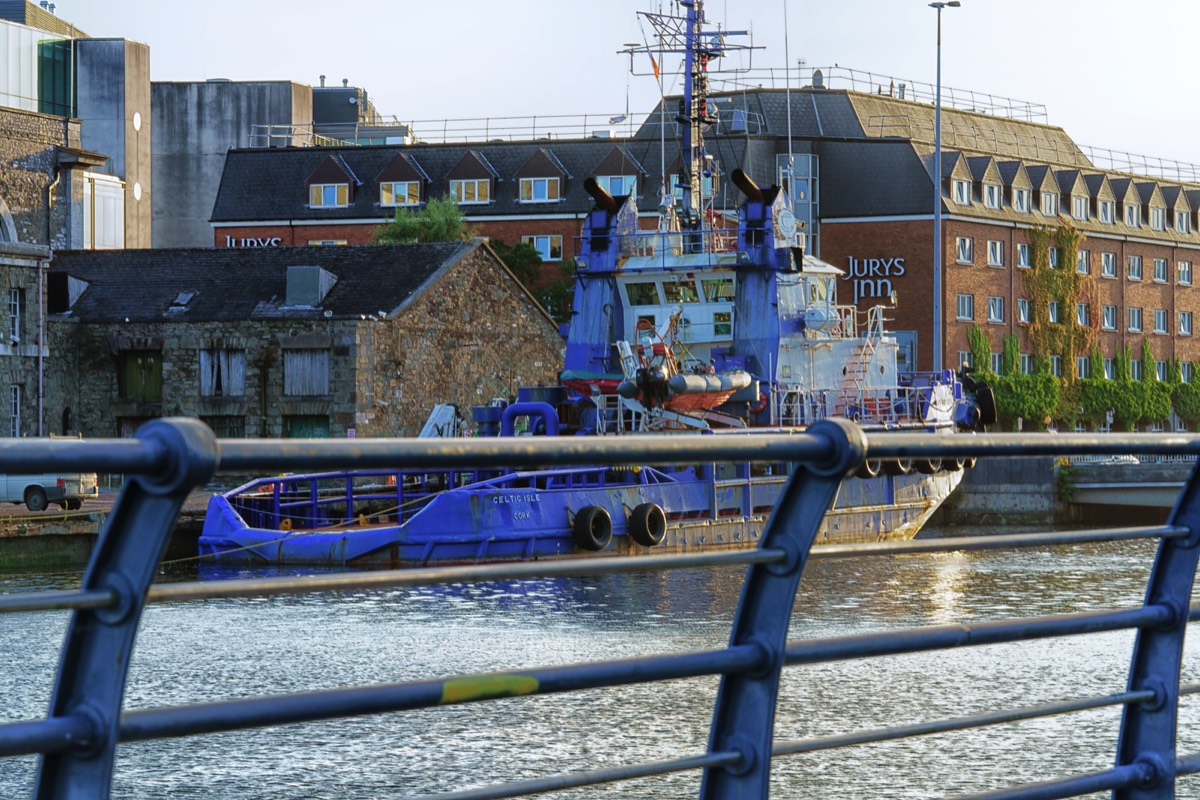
304 341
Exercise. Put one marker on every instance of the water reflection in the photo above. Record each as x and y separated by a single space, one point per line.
197 652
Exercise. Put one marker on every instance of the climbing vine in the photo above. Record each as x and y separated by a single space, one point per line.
1062 283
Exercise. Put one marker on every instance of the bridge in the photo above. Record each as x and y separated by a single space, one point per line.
77 741
1154 484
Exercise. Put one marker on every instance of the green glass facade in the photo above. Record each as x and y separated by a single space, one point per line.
38 75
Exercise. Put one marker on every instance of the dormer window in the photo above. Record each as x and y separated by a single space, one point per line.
539 190
1022 200
1158 218
1133 215
1079 208
1050 204
618 185
1107 211
328 195
991 195
471 192
400 193
1182 223
962 192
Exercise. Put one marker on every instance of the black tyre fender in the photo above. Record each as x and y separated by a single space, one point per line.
592 529
35 498
898 466
953 464
869 468
985 398
648 524
927 466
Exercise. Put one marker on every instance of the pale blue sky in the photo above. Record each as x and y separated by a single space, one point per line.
1113 74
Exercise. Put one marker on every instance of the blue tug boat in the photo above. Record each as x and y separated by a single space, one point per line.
689 329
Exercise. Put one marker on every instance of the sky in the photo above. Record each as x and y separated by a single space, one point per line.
1114 75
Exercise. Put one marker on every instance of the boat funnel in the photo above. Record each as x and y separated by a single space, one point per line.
747 186
603 199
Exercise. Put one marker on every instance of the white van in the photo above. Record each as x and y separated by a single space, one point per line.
68 490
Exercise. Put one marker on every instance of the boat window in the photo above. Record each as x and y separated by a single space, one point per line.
818 291
718 289
681 292
722 323
643 294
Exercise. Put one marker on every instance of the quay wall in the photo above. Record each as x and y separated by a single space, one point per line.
1004 491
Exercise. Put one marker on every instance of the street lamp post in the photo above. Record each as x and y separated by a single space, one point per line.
937 194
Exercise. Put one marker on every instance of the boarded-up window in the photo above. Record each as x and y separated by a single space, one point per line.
226 427
222 373
305 372
140 375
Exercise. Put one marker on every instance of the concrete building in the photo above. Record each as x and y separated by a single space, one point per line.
303 341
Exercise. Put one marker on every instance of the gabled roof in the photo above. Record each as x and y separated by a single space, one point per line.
618 161
543 164
983 169
333 169
1149 193
1041 177
1013 173
402 168
235 284
473 164
1099 187
1069 181
1174 197
1124 191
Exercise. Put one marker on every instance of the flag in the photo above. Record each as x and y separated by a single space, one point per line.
654 65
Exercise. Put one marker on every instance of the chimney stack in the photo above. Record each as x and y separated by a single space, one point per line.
322 81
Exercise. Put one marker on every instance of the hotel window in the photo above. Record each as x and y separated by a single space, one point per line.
1083 316
1107 211
305 373
1135 318
1185 273
328 195
1053 258
1023 307
1134 271
962 192
1185 323
1079 208
966 306
1135 369
1160 270
222 373
471 192
14 411
1108 265
1185 371
539 190
997 363
1081 263
991 195
548 247
1133 215
16 319
1182 223
618 185
1021 200
1109 368
1108 318
995 309
965 359
400 193
964 249
1056 366
1158 218
1026 364
1160 320
1024 257
1160 370
1083 366
1050 204
1053 311
995 253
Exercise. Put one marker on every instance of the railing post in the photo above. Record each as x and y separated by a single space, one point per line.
744 714
1148 729
95 660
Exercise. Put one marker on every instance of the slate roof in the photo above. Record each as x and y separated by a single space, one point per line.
235 284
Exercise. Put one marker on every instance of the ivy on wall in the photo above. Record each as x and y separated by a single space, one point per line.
1062 282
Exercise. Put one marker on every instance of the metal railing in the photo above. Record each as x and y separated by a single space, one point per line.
78 739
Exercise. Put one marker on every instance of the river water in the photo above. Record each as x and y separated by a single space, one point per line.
214 650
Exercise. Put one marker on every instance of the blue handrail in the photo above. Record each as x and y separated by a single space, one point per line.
78 739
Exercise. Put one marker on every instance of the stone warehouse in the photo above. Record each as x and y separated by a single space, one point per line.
297 341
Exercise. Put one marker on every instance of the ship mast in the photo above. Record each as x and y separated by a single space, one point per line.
687 35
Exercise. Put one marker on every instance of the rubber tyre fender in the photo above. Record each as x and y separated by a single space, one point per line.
898 466
592 529
985 398
648 525
954 464
35 498
869 468
927 466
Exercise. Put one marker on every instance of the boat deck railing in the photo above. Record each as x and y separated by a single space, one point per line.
89 718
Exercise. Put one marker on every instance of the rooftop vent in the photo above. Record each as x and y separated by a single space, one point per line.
818 79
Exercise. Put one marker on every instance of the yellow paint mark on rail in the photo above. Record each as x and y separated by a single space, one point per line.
487 687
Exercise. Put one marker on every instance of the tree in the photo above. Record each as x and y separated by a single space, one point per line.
522 260
439 220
